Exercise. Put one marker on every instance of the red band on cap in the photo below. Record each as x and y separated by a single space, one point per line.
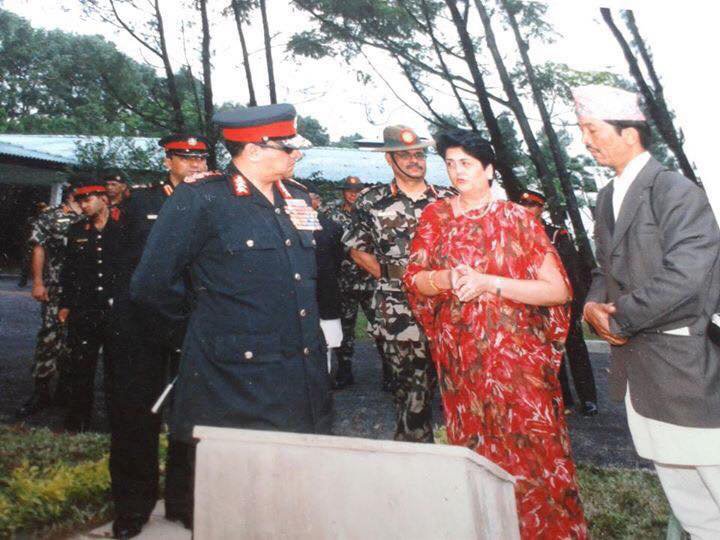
286 128
184 145
86 190
532 198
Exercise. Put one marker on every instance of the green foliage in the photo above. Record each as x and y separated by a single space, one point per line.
310 128
346 141
59 82
126 154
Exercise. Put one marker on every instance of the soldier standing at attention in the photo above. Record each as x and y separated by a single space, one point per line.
379 240
576 352
117 191
48 239
252 356
356 290
86 284
144 348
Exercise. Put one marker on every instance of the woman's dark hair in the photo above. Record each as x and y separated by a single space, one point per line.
234 148
643 129
470 141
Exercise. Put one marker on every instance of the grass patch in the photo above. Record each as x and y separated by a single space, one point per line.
52 485
619 503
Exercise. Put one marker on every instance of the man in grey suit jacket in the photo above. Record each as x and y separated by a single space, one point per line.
653 293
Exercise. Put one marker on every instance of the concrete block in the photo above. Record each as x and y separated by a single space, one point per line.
266 485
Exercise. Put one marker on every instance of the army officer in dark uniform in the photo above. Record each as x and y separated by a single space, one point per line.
252 356
145 346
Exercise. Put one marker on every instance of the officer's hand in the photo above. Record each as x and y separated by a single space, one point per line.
63 315
40 293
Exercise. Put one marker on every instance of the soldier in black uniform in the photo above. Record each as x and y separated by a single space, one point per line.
85 300
144 349
253 355
576 352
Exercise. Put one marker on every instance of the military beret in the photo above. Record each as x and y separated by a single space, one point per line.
84 183
183 144
529 197
258 124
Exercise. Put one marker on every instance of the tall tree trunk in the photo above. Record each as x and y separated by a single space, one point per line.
661 116
677 144
536 155
175 101
268 52
207 85
512 186
581 236
246 57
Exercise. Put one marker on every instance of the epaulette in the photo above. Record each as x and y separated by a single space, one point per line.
295 183
204 176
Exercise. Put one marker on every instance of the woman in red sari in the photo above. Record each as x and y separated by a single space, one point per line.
488 288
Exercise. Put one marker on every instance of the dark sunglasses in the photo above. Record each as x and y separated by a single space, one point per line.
287 149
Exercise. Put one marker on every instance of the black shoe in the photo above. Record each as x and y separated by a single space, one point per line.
128 525
343 380
76 423
39 400
589 409
178 515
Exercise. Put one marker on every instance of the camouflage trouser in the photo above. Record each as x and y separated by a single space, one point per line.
414 381
51 351
350 302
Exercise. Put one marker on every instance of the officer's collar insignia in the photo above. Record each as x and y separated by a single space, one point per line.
239 185
192 178
168 189
283 190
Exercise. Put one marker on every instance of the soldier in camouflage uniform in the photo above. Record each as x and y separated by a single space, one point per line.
356 290
48 239
379 239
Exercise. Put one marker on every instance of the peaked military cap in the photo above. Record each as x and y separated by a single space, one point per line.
260 124
113 175
351 182
397 139
183 144
530 197
85 183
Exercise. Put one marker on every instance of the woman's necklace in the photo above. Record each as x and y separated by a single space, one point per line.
484 204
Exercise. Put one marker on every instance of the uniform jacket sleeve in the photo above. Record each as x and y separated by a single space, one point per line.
359 234
69 273
690 239
176 238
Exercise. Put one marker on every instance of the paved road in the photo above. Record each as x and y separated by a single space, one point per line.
361 410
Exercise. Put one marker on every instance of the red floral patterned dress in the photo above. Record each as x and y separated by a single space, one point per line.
497 360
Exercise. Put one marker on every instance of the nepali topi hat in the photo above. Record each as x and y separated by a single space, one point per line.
397 139
607 103
261 124
183 144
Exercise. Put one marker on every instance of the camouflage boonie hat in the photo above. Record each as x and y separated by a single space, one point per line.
399 138
351 182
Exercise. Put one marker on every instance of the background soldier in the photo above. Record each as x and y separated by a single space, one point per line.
576 351
86 283
117 191
379 240
253 355
48 239
144 347
356 290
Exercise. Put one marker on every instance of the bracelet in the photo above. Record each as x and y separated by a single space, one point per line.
497 283
432 283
